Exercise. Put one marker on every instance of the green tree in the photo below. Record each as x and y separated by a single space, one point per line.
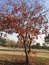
2 41
38 46
33 46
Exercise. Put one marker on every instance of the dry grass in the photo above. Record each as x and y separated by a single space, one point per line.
8 59
18 58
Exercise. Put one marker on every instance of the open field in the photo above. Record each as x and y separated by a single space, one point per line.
11 56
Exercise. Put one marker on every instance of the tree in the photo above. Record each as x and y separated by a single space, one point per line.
38 46
33 46
44 46
26 20
2 41
47 39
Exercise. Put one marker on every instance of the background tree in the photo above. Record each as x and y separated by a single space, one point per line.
47 39
38 46
44 46
26 20
33 46
2 41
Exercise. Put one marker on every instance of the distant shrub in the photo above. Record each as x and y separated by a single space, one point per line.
2 41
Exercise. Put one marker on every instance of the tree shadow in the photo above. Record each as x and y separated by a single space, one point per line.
11 63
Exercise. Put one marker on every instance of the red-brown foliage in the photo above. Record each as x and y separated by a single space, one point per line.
24 20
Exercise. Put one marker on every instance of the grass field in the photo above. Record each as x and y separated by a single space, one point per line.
18 58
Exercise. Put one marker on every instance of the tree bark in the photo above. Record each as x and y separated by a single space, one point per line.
27 58
26 52
29 49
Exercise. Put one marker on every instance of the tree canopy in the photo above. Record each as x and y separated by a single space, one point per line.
26 20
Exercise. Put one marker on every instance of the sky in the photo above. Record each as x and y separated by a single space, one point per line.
10 36
14 36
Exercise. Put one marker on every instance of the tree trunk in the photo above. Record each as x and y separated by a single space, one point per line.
26 52
29 49
27 59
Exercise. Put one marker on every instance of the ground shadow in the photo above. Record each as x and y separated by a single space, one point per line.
11 63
